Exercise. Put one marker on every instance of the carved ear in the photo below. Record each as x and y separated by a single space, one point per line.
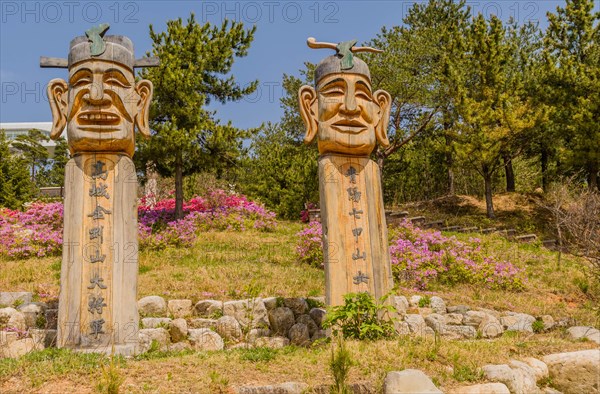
144 88
384 100
307 98
57 96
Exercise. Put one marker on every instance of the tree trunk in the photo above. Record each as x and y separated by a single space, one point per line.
544 163
489 204
178 187
593 176
510 173
450 165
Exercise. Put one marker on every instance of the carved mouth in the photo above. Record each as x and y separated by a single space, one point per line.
349 126
99 118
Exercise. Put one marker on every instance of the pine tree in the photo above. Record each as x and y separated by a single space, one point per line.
16 187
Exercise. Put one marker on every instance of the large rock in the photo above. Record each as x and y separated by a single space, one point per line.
518 380
455 319
34 313
152 305
414 301
462 309
473 318
318 315
437 322
575 372
283 388
209 308
487 388
438 305
518 322
205 339
256 333
459 332
272 342
18 348
298 305
299 335
8 298
490 327
12 318
180 308
400 304
540 369
409 381
416 323
271 302
156 322
229 328
281 319
203 323
581 332
178 330
310 323
149 335
8 337
250 313
43 338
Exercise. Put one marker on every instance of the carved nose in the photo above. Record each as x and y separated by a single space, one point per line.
350 107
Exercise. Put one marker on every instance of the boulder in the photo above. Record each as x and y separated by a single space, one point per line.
180 308
416 323
318 315
203 323
518 322
152 305
8 298
8 337
205 340
582 332
548 321
156 322
517 379
270 303
12 318
34 313
272 342
281 319
180 346
455 319
229 329
575 372
473 318
178 330
487 388
299 335
459 332
149 335
283 388
256 333
490 327
462 309
249 313
438 305
436 321
18 348
401 304
319 334
540 369
414 301
409 381
298 305
310 323
208 308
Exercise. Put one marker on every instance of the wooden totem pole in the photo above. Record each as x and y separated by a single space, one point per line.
100 106
348 119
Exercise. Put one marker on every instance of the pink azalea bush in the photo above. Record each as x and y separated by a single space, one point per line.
422 257
35 232
38 230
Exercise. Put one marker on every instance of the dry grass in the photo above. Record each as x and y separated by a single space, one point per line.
228 265
448 363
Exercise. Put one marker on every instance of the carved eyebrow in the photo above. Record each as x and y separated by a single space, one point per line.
337 80
117 73
83 72
364 84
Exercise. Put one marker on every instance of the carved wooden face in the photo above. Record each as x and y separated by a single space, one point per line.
346 116
103 106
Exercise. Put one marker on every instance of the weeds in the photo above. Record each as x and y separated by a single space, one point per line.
339 365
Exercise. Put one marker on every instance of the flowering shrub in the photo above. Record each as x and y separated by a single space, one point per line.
310 245
38 230
35 232
424 256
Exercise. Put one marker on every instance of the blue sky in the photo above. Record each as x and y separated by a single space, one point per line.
31 29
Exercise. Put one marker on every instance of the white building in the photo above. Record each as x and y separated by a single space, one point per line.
13 130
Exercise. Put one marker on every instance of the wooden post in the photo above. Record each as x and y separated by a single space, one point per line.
354 229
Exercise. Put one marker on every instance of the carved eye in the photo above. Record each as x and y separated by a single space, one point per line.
333 92
363 95
116 82
81 81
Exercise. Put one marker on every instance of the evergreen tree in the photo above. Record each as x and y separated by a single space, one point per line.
30 146
16 187
572 83
194 62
